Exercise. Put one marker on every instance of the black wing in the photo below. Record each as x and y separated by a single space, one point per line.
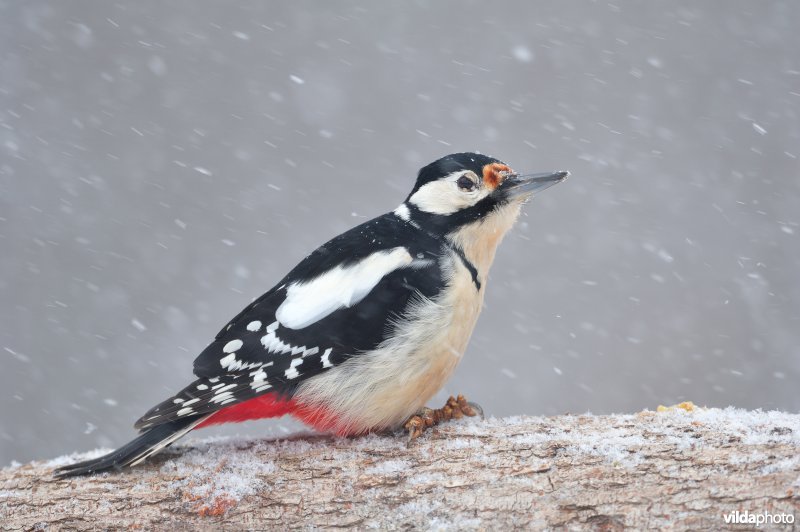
255 354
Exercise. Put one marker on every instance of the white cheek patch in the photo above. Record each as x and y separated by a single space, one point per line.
341 287
444 197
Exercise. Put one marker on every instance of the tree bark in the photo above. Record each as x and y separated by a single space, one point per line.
676 469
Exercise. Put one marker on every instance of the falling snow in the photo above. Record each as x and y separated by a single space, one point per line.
523 54
161 170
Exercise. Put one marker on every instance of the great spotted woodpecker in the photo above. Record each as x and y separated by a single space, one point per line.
366 329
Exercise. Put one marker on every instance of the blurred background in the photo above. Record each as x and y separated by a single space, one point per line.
161 164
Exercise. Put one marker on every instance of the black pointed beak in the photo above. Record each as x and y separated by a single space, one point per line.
525 185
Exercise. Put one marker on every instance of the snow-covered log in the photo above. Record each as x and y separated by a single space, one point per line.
675 469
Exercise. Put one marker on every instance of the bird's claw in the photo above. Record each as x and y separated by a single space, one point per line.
477 410
455 408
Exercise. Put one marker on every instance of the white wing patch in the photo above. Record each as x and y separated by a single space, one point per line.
292 372
309 302
326 363
233 345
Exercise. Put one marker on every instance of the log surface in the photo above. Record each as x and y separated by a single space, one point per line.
673 470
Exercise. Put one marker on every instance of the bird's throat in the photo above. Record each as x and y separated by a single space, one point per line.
479 240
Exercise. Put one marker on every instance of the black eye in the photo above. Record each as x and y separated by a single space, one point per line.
465 183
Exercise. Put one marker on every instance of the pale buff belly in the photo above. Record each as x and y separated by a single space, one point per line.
382 389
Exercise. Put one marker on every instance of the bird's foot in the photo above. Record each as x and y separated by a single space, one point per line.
455 408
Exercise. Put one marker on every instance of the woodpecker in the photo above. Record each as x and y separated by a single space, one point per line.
365 329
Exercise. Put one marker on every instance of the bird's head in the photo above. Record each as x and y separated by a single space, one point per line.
471 192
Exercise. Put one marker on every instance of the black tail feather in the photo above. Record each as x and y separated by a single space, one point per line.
134 451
